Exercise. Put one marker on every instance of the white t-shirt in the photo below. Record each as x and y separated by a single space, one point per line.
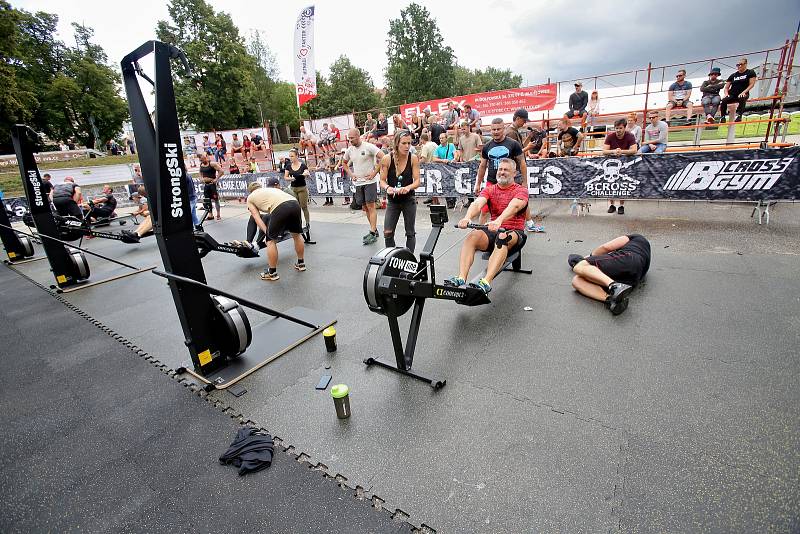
363 160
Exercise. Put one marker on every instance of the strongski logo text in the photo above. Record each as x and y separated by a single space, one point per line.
735 175
175 180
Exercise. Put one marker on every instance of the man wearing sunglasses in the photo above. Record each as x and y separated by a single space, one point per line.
679 95
737 89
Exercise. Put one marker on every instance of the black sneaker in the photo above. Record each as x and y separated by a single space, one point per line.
621 210
427 201
617 300
129 237
612 208
574 259
738 118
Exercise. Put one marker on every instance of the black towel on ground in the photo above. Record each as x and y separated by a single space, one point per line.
251 451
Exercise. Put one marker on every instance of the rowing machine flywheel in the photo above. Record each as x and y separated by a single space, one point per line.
239 335
396 262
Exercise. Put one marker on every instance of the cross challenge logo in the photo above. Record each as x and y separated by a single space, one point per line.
734 175
613 182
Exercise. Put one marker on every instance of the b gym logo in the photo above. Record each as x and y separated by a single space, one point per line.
613 182
734 175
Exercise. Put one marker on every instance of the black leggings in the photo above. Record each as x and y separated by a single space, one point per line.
252 228
408 207
66 206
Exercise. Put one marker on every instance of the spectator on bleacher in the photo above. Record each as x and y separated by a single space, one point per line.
236 146
445 152
426 116
326 140
451 117
307 141
369 125
222 148
253 166
679 95
234 168
415 126
710 90
569 139
577 103
435 128
428 148
518 121
619 143
469 144
472 116
737 89
258 142
398 122
337 135
381 128
655 135
594 110
247 147
535 143
633 126
207 146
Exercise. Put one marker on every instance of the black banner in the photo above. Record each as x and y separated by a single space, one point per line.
720 175
772 174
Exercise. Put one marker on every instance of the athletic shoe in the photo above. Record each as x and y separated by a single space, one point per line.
455 281
219 218
530 226
123 223
621 210
370 238
617 300
574 259
129 237
612 208
427 201
738 118
270 276
482 284
300 266
617 308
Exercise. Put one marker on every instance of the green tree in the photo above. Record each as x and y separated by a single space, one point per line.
83 101
468 81
221 92
351 88
420 66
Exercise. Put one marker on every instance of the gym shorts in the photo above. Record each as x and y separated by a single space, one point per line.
284 218
366 194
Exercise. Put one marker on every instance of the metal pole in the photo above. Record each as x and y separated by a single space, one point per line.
781 61
647 89
790 57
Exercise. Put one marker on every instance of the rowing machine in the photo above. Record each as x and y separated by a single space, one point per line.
395 281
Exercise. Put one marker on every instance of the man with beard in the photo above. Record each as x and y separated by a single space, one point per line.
508 204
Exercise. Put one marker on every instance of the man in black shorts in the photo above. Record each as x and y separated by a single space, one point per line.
66 198
285 215
102 207
612 270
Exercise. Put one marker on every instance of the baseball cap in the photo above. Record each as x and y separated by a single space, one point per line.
521 113
715 70
578 84
272 181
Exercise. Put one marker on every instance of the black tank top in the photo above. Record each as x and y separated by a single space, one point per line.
207 171
406 178
65 190
299 177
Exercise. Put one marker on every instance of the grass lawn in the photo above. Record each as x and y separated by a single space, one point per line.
11 184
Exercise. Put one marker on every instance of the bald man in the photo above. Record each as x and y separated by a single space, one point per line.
67 198
366 160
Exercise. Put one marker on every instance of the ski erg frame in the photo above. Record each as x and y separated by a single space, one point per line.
39 206
164 172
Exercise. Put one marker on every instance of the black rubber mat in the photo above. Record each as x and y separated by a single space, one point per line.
97 438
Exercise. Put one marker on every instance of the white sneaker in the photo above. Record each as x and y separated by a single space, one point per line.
530 225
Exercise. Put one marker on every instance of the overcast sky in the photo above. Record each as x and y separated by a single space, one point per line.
538 39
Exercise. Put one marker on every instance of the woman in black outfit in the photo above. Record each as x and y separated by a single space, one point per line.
400 177
295 173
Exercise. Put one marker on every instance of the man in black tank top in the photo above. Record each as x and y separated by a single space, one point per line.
612 270
210 172
66 197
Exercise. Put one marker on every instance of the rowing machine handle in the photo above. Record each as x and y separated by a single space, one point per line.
480 227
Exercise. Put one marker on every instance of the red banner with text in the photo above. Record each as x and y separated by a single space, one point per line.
507 101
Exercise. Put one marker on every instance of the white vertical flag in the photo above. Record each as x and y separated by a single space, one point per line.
305 77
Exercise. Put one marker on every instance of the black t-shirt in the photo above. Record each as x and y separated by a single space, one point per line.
493 152
256 139
382 128
572 131
436 131
46 187
740 80
111 202
639 246
299 177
